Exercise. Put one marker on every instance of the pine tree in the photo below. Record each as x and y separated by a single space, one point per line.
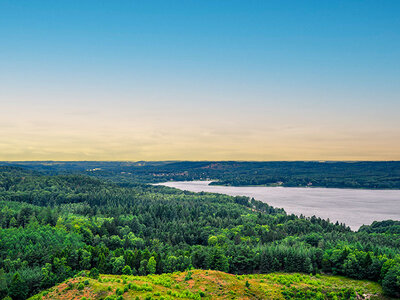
3 281
102 263
216 260
391 284
151 265
13 222
18 289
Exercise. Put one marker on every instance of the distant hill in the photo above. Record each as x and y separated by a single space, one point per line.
333 174
200 284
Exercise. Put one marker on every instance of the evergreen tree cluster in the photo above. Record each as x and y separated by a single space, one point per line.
54 226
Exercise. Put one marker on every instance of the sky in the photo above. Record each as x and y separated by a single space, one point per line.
199 80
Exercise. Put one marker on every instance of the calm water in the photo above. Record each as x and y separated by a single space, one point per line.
350 206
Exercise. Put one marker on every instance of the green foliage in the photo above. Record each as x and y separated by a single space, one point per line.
391 281
188 275
212 240
216 260
220 285
55 227
151 265
119 292
364 174
247 284
94 273
127 270
389 226
17 290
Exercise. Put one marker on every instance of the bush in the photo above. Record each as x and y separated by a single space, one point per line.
119 292
188 276
247 284
94 273
127 270
81 274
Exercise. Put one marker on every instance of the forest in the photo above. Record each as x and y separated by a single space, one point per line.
333 174
56 222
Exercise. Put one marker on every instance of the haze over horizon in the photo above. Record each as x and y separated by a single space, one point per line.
199 80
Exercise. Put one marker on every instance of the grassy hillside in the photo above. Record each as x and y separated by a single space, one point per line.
200 284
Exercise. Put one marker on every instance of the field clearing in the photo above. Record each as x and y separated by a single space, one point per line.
200 284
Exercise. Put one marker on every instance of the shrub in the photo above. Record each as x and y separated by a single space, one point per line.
127 270
247 284
81 274
119 292
94 273
188 275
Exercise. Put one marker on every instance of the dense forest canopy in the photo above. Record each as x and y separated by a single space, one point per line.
55 223
367 174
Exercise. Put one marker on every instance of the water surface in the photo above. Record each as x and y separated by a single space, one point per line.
354 207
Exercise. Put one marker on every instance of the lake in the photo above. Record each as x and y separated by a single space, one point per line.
354 207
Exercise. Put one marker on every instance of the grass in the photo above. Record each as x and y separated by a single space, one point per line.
201 284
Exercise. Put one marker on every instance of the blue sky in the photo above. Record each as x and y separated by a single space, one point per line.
235 79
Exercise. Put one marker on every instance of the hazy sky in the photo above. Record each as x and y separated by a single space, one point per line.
199 80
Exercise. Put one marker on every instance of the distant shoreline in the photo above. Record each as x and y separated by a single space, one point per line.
280 186
354 207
